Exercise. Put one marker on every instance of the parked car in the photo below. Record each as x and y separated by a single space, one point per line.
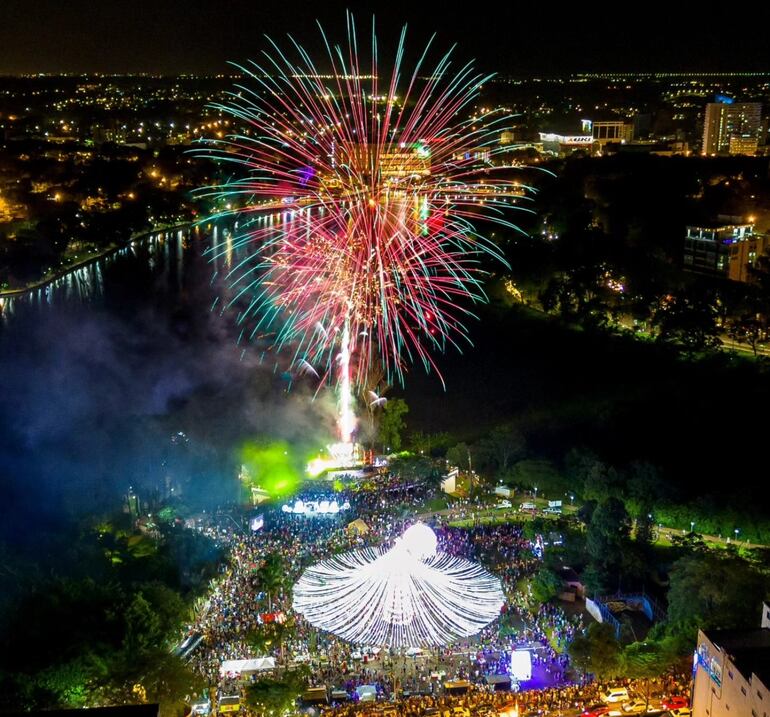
675 702
505 504
637 706
597 710
614 695
680 712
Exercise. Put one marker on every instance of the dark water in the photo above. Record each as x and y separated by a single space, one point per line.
121 375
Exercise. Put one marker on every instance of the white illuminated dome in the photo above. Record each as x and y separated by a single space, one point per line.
420 541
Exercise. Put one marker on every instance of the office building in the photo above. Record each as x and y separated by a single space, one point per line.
707 249
617 132
727 120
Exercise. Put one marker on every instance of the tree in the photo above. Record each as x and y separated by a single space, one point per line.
271 576
606 538
460 455
546 585
143 626
167 680
749 330
417 468
645 487
430 444
273 695
713 589
600 482
579 463
392 424
586 512
538 473
688 322
265 638
644 661
504 445
597 651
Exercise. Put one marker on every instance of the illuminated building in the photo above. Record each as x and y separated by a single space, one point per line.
743 144
612 132
744 255
727 120
707 249
403 162
731 672
397 163
562 145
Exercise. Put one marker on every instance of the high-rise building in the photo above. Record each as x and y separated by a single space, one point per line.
725 121
732 672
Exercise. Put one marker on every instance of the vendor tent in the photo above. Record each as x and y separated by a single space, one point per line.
246 667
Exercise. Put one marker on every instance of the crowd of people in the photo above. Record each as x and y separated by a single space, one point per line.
240 607
563 700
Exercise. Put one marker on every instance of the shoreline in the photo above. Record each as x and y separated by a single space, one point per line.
42 283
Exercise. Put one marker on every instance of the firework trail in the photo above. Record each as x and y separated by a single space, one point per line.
373 254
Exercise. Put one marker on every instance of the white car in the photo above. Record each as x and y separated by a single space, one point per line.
615 694
505 504
413 652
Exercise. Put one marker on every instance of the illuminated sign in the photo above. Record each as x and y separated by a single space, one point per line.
710 664
579 139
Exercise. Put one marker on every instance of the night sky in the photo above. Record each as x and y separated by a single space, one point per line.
172 36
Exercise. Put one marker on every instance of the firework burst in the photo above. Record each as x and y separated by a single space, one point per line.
374 255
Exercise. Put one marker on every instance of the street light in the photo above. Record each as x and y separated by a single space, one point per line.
692 526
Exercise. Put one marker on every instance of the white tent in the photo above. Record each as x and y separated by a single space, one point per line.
246 667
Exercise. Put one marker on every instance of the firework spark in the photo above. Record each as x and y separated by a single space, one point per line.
374 255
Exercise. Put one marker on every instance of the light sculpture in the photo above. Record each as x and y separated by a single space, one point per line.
409 595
